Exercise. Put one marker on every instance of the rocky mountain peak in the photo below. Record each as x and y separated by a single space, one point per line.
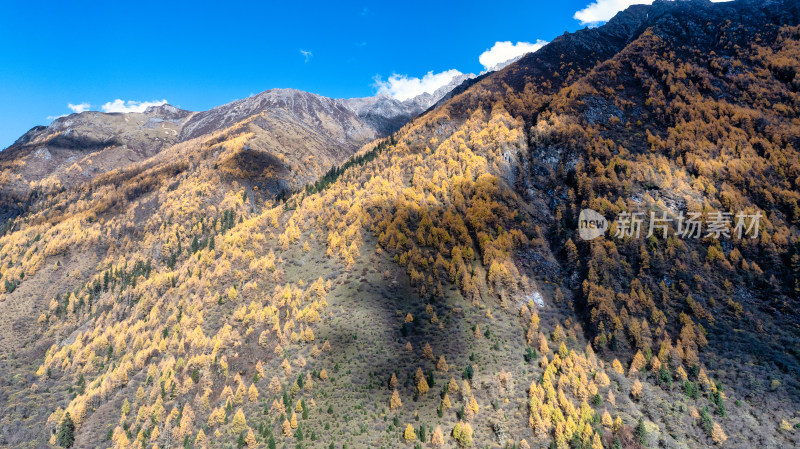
167 112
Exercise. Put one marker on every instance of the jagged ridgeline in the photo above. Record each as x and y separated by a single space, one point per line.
430 288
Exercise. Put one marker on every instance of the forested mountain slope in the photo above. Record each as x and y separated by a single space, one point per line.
434 289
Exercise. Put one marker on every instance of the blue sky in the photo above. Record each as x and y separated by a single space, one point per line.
197 55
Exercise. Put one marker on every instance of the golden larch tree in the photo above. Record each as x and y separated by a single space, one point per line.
239 423
260 370
287 367
120 439
250 439
252 393
717 434
636 389
395 402
596 443
287 428
238 398
606 420
427 351
452 386
441 365
446 404
187 421
473 404
637 364
422 386
200 440
409 435
274 385
437 439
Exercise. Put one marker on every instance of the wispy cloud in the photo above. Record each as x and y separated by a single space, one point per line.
306 54
403 87
503 53
603 10
76 108
130 105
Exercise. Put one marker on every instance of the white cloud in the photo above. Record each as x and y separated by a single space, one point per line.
130 105
403 87
502 52
80 107
603 10
306 54
76 108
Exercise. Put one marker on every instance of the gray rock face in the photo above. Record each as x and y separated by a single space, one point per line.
382 112
386 114
378 115
290 104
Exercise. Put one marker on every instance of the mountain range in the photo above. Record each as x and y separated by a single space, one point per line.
286 123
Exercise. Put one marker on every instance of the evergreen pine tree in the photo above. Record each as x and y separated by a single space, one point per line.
66 431
641 433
